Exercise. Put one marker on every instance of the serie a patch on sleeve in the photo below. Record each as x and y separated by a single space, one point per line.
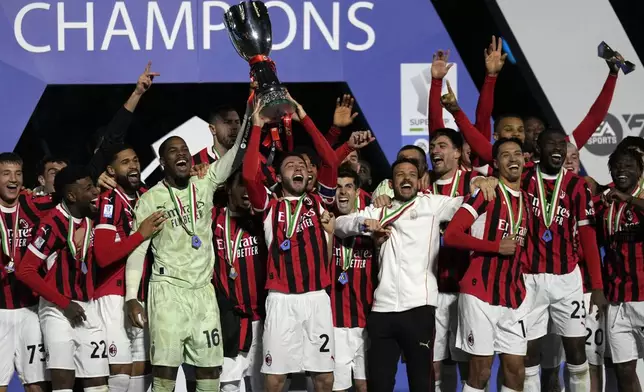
108 211
39 242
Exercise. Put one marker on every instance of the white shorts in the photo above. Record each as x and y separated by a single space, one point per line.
446 326
111 309
83 348
298 333
485 329
21 346
559 298
552 353
625 327
246 363
350 357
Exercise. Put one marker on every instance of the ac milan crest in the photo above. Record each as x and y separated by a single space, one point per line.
268 359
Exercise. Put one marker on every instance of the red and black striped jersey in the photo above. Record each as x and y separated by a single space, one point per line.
452 263
553 249
302 266
67 277
20 222
242 280
114 241
351 302
621 232
492 277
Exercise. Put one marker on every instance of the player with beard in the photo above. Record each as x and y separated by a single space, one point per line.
402 317
114 240
240 276
73 332
563 215
21 345
181 305
409 151
621 234
448 179
354 271
296 231
580 135
492 305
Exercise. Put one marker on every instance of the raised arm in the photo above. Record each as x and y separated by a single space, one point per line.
597 112
117 128
250 170
342 117
439 69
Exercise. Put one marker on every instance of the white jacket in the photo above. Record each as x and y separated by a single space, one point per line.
407 276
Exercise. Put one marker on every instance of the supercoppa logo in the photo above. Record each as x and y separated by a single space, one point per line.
612 131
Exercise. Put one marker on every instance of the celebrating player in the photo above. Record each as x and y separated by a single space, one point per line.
240 276
354 276
114 240
21 342
492 304
297 234
184 316
402 316
75 340
448 179
621 233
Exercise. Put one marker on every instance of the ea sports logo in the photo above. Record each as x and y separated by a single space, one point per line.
606 137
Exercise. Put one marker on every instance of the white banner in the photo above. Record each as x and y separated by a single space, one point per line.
559 39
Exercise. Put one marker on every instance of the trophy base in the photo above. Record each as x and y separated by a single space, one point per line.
276 104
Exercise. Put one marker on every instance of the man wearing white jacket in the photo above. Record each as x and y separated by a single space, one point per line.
402 316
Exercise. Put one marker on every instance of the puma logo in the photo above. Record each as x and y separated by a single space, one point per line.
422 344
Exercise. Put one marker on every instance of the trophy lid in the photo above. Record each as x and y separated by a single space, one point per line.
249 28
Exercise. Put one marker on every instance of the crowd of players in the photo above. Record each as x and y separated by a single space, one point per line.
246 271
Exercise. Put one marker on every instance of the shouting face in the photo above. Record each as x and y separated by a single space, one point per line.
444 155
176 159
509 161
552 151
83 193
293 175
126 169
405 180
346 193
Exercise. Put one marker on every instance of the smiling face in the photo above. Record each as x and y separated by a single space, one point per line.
444 155
126 169
572 159
405 180
10 181
509 127
552 151
176 159
626 172
83 194
346 193
509 161
293 175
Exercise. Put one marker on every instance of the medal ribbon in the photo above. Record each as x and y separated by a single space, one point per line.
4 233
548 210
613 225
292 218
387 219
231 251
357 203
455 181
214 151
178 206
70 237
514 226
347 254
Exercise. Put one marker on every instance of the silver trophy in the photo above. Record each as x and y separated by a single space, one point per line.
249 29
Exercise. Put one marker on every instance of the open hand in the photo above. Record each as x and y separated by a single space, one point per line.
152 224
75 314
343 116
494 59
360 139
440 66
106 182
199 170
